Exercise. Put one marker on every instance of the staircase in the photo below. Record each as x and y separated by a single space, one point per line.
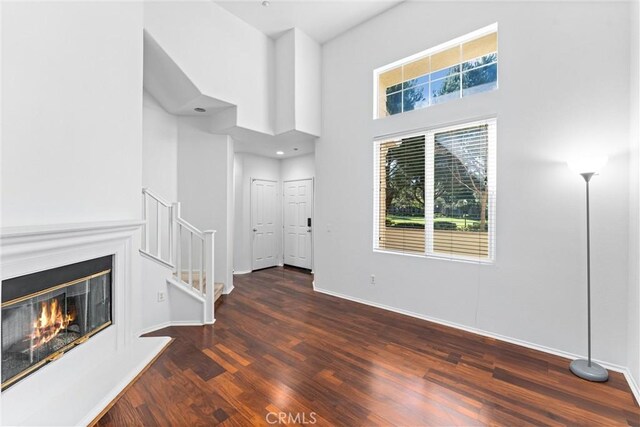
188 252
217 287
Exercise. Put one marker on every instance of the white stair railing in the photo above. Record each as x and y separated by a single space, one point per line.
157 240
190 267
190 252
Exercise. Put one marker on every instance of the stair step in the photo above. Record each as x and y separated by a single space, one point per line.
217 290
217 287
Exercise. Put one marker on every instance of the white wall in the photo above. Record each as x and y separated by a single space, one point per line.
153 278
241 258
297 83
72 116
252 167
535 290
301 167
159 149
225 57
308 83
160 174
285 63
634 198
205 188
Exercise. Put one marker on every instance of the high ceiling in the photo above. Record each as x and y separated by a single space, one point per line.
320 19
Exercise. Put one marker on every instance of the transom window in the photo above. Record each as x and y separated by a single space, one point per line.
456 69
435 192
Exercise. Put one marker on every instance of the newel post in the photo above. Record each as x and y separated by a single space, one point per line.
145 216
209 254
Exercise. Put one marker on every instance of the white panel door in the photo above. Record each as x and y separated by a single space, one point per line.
298 221
263 222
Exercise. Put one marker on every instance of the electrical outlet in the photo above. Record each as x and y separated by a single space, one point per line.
373 279
161 296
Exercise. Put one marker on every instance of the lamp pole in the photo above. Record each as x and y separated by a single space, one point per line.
587 369
587 177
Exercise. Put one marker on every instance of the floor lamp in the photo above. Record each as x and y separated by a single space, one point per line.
586 368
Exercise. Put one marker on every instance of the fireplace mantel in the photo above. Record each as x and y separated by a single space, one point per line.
76 388
23 241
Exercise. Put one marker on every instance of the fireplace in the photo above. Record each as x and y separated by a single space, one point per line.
48 313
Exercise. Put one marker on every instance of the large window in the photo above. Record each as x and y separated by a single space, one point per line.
435 192
451 70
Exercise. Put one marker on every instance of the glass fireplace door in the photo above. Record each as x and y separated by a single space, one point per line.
39 327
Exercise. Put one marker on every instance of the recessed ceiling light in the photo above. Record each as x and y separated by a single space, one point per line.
266 3
279 153
199 109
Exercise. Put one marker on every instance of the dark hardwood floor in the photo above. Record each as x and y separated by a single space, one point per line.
280 350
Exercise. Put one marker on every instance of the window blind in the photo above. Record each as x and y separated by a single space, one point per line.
435 192
401 181
462 194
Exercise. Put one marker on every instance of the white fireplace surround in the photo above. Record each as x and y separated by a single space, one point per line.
74 389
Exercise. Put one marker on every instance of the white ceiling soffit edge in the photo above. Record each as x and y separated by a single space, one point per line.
292 143
169 84
178 95
322 20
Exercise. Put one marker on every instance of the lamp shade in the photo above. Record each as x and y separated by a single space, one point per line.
587 164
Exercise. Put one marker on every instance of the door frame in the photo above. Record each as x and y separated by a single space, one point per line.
251 233
313 216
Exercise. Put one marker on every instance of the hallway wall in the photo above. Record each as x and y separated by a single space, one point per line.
205 188
159 149
246 167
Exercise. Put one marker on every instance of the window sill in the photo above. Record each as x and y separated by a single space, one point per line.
464 260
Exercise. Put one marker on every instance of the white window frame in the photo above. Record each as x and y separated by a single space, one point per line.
429 191
493 28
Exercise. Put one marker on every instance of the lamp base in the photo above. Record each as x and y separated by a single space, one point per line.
595 372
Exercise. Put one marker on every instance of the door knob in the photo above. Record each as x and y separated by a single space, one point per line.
255 229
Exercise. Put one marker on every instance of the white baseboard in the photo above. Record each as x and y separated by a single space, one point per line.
167 324
611 366
633 384
241 272
230 290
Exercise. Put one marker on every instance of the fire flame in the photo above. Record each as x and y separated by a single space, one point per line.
50 323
